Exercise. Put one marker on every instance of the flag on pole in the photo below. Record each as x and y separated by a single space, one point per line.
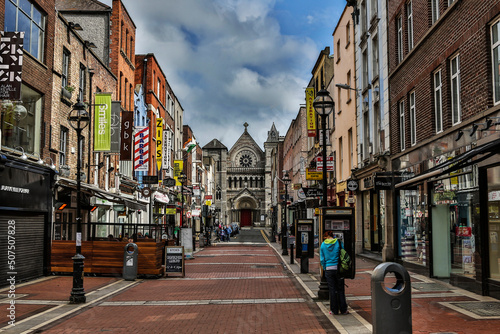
189 145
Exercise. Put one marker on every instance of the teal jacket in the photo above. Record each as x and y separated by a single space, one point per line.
329 253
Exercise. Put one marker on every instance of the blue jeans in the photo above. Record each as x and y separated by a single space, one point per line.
337 291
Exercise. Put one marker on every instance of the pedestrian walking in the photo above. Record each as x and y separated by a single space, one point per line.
228 233
330 260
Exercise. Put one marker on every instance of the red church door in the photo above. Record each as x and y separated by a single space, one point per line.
246 217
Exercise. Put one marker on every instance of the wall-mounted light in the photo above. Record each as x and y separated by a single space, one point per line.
51 165
40 161
471 131
75 26
23 155
89 44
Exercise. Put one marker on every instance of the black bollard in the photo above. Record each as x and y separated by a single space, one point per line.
291 253
391 307
304 264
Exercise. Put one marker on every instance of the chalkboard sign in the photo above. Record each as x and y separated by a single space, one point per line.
174 261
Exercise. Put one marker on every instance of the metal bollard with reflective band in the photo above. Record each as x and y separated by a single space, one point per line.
130 262
391 306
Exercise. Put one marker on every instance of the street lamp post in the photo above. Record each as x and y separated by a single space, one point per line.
182 180
78 119
324 105
284 226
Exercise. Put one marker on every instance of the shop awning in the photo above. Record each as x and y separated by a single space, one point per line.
103 194
458 162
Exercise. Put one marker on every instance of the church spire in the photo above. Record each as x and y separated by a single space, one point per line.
246 126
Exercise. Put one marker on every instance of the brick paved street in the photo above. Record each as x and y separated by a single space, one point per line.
237 288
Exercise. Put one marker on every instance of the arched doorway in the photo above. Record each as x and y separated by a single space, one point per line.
246 206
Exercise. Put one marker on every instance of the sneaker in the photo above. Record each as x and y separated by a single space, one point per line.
344 313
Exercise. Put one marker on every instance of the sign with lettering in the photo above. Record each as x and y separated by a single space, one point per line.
102 122
311 113
115 126
11 50
141 149
159 142
167 150
126 136
174 259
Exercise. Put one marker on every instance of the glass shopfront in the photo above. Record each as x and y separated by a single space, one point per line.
413 218
453 222
493 176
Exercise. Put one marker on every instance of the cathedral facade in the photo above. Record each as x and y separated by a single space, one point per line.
244 177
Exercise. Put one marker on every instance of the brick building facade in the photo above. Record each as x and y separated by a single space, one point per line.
443 61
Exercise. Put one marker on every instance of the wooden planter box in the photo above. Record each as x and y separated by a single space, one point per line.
106 257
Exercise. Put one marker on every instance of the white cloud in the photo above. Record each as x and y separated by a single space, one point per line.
228 63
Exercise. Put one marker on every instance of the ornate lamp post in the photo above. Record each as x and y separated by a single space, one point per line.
78 119
284 226
324 105
182 180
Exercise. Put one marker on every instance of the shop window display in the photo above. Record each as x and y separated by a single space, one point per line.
413 219
453 203
494 221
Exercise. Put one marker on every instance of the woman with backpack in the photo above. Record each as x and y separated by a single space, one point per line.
329 255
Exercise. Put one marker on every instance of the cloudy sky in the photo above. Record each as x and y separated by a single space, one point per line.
235 61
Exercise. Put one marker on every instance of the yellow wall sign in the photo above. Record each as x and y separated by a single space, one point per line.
170 211
159 142
311 175
311 113
178 168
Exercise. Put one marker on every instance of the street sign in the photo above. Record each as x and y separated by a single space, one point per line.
329 164
352 185
169 182
150 179
312 175
312 192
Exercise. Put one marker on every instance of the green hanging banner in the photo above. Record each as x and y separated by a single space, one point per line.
102 122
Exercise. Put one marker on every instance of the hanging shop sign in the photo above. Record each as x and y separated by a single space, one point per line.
102 122
159 142
11 50
141 149
178 167
115 126
167 151
352 185
311 113
329 164
126 136
313 175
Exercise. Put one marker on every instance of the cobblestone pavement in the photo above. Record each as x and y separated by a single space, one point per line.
237 287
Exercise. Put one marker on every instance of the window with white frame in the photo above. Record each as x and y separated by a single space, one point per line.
81 88
364 17
495 49
365 69
65 68
401 107
338 50
434 10
438 96
63 146
413 120
23 15
349 84
409 12
456 112
348 33
366 134
374 8
351 148
341 158
375 63
399 28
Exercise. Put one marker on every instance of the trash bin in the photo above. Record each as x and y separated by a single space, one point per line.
391 306
130 262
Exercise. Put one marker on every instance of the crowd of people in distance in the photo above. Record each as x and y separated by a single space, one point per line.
127 238
224 233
